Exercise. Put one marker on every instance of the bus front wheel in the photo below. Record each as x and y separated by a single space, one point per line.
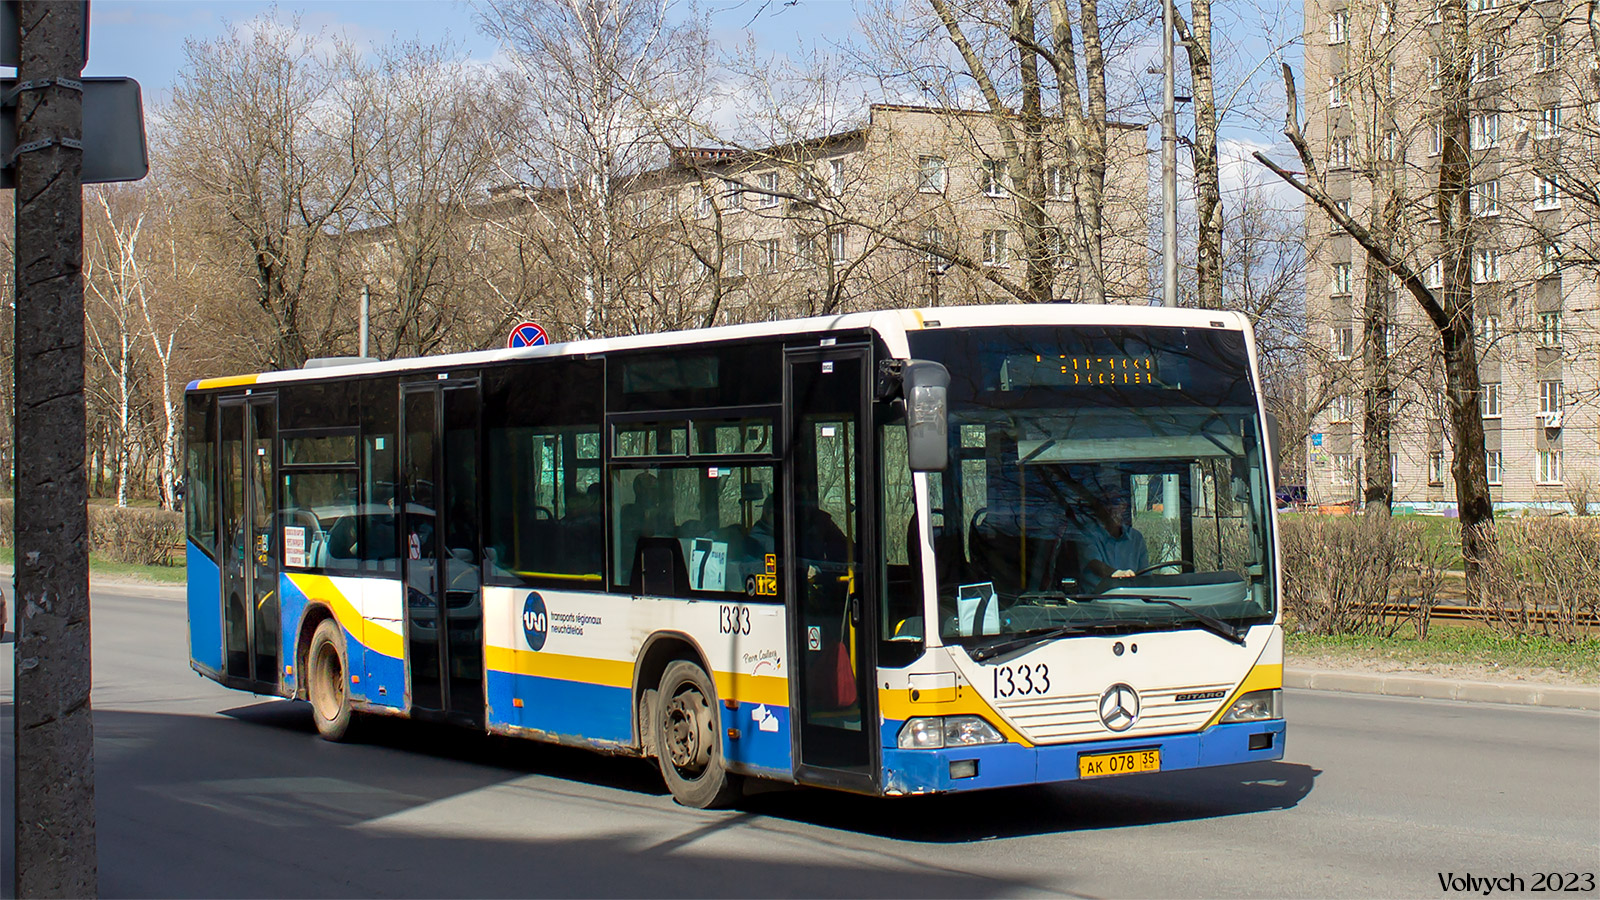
687 745
326 682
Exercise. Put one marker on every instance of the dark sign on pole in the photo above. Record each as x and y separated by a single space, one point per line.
114 146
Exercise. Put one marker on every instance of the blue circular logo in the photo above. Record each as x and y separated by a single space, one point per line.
535 621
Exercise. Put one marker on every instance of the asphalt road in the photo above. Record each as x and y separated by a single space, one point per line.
204 791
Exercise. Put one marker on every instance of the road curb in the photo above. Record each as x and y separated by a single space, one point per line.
1430 688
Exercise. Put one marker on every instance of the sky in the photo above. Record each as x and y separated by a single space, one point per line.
144 39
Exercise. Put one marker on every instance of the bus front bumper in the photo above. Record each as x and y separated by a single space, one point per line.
1005 765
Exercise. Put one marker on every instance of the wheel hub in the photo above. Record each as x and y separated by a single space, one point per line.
688 732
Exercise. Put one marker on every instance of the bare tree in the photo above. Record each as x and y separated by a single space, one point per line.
263 131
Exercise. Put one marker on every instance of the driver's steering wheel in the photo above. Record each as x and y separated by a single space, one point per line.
1180 563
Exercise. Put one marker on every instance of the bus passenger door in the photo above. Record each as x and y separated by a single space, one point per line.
250 618
444 608
831 687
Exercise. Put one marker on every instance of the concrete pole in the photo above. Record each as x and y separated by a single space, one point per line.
55 825
366 300
1169 165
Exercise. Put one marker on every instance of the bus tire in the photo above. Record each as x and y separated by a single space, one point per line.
327 682
687 746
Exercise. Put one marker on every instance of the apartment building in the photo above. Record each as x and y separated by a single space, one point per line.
1371 91
853 220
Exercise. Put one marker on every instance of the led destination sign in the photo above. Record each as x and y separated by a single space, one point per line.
1081 370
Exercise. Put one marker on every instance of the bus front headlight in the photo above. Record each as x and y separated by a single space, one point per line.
1256 706
934 732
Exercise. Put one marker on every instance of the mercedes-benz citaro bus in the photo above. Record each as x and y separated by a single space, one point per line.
892 553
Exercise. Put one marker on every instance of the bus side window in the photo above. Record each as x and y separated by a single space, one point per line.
200 489
722 519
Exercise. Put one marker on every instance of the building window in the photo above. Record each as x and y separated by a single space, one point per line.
1435 67
1385 17
1344 468
1339 26
994 177
1545 193
1336 90
1436 467
1549 51
1491 462
836 176
769 251
703 204
930 174
767 196
1056 184
1343 340
933 237
1486 62
1434 277
1485 198
733 260
1343 408
1481 5
1549 124
1485 130
1549 260
1485 265
805 250
1549 466
1550 332
1489 329
1490 404
1436 138
1391 145
836 245
1339 153
994 248
1549 398
1436 14
1341 279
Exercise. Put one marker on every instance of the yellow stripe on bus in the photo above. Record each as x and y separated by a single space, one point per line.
374 637
617 673
964 701
230 381
1260 678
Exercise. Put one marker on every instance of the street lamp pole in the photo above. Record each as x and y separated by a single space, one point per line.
1169 164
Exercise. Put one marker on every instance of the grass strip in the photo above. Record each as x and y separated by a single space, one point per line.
101 566
1457 644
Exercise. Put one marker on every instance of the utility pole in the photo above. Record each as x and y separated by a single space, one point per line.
1169 164
366 301
55 825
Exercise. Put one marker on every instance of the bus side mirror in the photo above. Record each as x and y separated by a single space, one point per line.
1274 443
926 388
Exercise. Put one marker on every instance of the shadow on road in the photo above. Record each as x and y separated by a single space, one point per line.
954 818
252 804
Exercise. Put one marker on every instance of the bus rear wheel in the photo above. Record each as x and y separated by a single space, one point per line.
327 684
687 745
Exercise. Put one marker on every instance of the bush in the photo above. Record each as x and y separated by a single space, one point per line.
141 536
1542 576
1359 574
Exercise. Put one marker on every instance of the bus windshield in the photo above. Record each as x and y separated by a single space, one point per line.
1102 479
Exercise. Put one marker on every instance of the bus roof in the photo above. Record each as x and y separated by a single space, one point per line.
892 324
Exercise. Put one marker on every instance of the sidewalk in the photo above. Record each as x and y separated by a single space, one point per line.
1433 687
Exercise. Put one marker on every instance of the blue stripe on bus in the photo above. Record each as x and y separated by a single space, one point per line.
766 751
1004 765
292 604
562 709
205 610
385 681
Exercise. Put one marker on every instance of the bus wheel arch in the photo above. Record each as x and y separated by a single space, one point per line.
660 650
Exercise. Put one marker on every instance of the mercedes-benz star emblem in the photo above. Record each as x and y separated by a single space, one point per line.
1119 707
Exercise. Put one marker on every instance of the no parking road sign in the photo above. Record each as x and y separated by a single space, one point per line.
527 334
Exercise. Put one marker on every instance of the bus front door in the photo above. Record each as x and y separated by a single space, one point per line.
444 605
249 497
831 687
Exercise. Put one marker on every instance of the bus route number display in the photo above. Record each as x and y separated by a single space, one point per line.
1107 369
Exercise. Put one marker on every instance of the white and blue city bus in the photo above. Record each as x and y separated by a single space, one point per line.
892 553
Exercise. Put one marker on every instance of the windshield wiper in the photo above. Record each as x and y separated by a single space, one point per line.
1010 644
1211 623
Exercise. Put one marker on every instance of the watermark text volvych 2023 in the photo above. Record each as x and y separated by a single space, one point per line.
1512 883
